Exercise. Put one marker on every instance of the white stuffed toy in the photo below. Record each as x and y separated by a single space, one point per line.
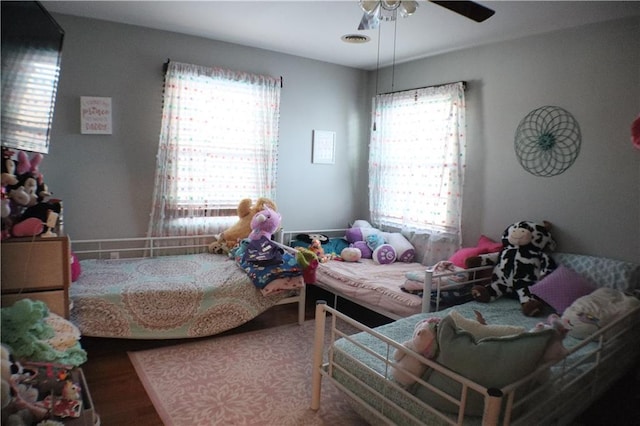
424 342
391 246
589 313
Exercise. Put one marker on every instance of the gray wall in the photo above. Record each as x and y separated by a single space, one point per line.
106 181
593 72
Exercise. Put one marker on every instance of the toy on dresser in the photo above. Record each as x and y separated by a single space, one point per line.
27 206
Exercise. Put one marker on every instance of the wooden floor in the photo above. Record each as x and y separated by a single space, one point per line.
120 398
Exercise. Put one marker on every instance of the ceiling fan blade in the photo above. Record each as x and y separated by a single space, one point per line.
469 9
368 22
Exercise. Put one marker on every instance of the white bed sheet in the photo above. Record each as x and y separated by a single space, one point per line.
373 284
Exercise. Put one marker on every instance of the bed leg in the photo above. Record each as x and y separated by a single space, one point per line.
302 301
492 402
426 291
318 345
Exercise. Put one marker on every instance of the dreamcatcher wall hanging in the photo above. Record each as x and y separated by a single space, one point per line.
547 141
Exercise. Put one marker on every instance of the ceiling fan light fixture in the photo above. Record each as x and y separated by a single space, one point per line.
369 6
390 4
408 7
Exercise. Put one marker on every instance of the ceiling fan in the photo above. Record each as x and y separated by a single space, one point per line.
387 10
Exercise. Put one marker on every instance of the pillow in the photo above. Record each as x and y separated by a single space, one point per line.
596 310
561 288
459 257
493 362
485 245
489 244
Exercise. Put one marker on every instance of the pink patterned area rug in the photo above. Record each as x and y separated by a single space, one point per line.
255 378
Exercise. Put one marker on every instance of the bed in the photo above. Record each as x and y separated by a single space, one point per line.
501 380
167 288
381 288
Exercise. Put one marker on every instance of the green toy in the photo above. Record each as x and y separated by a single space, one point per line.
26 332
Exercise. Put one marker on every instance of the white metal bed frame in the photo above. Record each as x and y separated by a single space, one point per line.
140 247
614 355
431 281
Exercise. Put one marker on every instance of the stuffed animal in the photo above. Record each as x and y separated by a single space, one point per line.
308 261
351 254
242 228
522 262
424 342
365 251
399 248
261 250
316 248
20 406
26 330
264 224
555 349
27 207
587 314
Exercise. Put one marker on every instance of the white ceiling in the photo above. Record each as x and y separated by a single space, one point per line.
312 29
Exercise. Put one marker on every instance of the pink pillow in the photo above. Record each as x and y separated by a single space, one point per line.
485 245
489 244
28 228
561 288
458 258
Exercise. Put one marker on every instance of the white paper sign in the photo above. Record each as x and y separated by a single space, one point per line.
324 147
95 115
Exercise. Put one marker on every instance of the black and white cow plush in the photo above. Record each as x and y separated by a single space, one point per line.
522 262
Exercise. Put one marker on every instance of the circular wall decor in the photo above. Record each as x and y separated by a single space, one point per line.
547 141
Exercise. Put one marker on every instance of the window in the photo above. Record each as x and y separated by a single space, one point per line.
218 144
417 159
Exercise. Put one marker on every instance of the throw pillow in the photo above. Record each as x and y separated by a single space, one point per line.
561 288
492 362
485 245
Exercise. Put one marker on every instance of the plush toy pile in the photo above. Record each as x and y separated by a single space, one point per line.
39 350
242 228
382 247
262 259
522 262
35 334
27 206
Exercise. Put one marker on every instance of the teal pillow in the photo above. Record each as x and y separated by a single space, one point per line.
493 361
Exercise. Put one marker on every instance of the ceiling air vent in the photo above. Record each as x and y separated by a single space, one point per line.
355 38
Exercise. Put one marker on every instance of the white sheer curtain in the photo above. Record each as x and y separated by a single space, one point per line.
218 144
416 166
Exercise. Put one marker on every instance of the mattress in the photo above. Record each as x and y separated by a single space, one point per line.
165 297
576 385
371 283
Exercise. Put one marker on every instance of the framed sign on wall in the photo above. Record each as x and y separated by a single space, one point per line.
95 115
324 147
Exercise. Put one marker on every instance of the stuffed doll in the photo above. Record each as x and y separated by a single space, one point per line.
316 248
521 263
261 250
424 342
242 228
264 224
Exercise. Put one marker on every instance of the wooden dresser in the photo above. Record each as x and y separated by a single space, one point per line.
39 269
